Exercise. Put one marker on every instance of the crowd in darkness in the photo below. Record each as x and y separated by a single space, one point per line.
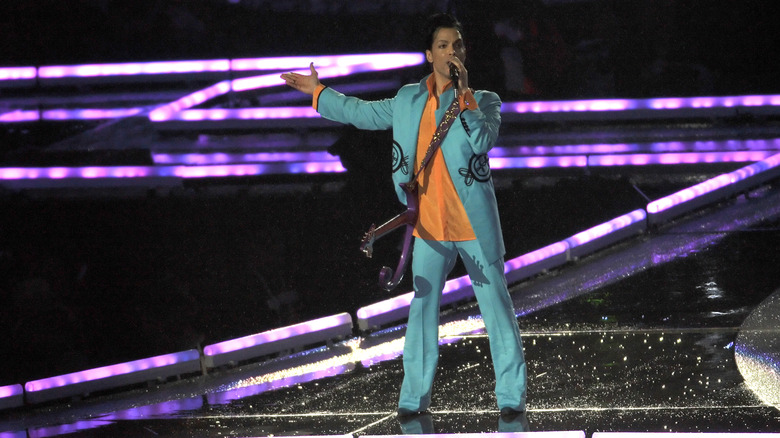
89 282
597 48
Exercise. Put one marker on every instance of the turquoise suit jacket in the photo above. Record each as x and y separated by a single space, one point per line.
465 147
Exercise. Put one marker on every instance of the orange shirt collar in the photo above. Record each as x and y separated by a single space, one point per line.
431 83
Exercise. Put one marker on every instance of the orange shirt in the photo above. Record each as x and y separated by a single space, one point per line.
441 213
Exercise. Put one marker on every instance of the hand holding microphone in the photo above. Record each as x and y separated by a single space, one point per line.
458 74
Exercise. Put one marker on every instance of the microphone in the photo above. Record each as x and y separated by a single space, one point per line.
454 74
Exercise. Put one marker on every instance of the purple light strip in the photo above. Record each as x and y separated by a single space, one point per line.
19 116
133 69
676 158
343 66
271 113
382 61
386 306
537 256
287 163
277 334
712 185
10 391
748 171
507 157
59 173
227 158
89 114
378 60
111 371
166 111
17 73
538 162
599 105
606 228
688 194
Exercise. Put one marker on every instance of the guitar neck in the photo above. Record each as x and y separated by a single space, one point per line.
407 217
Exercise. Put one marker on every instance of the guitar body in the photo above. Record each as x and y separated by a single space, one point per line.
389 278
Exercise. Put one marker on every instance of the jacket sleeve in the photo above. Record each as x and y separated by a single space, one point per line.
482 124
363 114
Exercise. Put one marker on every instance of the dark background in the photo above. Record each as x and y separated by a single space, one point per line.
615 48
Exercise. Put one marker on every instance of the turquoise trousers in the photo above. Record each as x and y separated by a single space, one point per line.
431 263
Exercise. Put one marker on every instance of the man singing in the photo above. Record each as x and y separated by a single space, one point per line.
458 213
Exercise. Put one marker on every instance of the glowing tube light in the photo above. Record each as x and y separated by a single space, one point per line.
612 105
607 233
228 158
689 199
133 69
342 67
113 376
756 173
220 114
19 434
381 60
18 116
165 111
278 340
677 158
11 396
8 74
40 177
538 162
713 190
536 262
384 312
569 106
89 114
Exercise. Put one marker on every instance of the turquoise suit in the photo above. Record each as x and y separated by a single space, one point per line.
464 149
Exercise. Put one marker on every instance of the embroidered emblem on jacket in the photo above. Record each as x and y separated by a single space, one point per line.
479 170
400 161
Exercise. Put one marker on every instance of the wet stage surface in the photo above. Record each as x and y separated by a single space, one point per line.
673 331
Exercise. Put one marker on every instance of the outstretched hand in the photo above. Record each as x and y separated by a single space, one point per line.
304 83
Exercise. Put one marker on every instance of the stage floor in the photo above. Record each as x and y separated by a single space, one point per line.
673 331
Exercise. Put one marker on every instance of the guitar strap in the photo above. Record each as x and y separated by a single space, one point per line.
438 137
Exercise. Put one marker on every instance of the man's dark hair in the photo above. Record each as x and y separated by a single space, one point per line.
436 22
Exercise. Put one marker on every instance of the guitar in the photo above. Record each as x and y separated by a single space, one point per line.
389 278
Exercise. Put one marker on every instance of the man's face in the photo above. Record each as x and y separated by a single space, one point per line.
447 44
